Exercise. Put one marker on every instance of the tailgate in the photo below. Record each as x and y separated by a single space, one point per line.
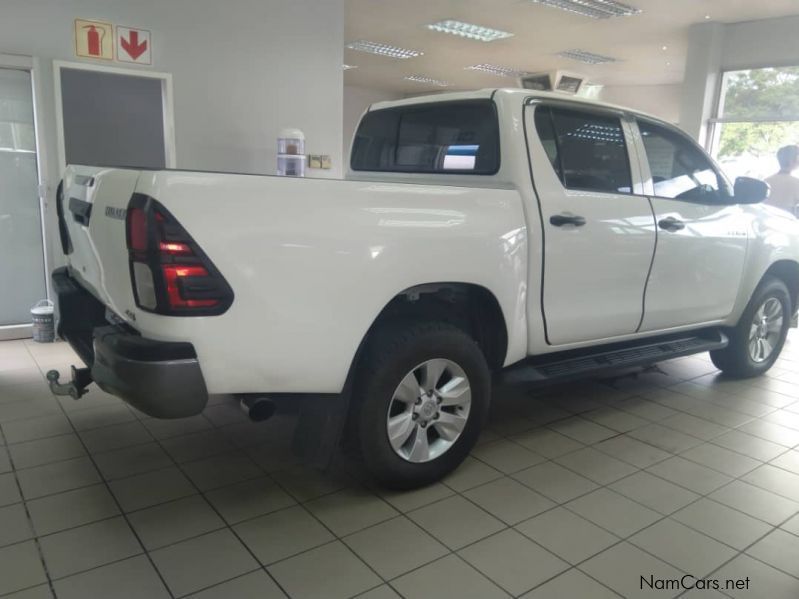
92 210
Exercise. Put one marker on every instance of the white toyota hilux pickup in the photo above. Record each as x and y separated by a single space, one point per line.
502 233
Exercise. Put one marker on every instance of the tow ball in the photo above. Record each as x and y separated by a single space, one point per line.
76 388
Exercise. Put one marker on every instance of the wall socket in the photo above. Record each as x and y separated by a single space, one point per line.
322 161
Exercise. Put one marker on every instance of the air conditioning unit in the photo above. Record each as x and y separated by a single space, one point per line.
565 82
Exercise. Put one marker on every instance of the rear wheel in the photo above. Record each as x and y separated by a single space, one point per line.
421 399
756 343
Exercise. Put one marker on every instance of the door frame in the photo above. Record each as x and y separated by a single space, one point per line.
166 95
32 65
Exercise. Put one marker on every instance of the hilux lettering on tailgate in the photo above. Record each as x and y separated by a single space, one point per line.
118 213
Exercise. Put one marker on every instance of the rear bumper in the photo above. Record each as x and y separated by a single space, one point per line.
162 379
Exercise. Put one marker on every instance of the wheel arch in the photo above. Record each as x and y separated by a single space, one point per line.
788 272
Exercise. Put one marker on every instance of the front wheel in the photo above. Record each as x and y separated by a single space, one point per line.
758 339
421 399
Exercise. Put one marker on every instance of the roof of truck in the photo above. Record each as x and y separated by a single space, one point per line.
509 92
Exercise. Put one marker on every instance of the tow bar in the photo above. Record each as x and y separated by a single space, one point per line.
76 388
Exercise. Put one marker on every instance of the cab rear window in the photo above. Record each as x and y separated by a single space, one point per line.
444 138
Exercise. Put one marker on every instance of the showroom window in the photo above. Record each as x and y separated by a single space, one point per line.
680 170
444 138
591 153
758 114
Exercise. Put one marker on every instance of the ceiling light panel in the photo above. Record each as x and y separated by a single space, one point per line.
427 80
596 9
383 49
497 70
586 57
470 31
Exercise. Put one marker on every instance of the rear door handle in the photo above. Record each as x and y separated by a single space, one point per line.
560 220
81 211
671 224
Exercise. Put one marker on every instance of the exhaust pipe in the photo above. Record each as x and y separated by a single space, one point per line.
258 409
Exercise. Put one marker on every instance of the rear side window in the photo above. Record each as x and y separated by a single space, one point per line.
589 150
446 137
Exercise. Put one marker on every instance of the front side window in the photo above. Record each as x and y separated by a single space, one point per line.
589 151
680 170
446 137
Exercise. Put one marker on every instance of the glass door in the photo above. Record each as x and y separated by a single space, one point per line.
22 270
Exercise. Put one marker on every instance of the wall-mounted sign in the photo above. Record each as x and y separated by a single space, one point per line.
94 39
134 45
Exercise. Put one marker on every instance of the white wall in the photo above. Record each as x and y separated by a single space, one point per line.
356 101
715 47
242 70
662 101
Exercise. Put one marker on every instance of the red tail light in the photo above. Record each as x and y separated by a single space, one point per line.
170 272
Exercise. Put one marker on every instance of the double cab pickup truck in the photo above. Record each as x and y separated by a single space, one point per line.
498 234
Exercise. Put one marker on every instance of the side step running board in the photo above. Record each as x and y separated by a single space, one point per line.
580 363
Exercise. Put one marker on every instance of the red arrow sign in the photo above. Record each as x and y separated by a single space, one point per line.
132 46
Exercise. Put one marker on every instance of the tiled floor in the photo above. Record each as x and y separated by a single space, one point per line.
575 492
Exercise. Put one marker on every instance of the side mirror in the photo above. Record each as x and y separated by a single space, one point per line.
750 191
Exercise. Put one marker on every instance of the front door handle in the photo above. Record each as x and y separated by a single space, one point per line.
560 220
671 224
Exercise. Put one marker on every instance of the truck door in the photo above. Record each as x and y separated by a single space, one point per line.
598 234
702 233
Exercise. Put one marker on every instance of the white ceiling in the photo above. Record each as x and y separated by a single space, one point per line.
539 33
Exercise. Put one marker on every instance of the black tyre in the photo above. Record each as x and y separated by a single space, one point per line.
757 340
421 399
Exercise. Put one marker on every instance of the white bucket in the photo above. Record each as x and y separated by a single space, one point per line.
43 322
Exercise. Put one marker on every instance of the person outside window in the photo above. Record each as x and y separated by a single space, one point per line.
784 186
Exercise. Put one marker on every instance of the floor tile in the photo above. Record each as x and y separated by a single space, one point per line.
166 429
249 499
787 461
132 460
9 491
174 521
46 451
665 438
690 475
32 429
21 410
14 525
506 456
350 510
40 592
776 480
656 493
622 567
696 427
93 418
331 571
117 436
582 430
395 547
780 550
449 576
615 419
721 459
218 471
382 592
71 508
305 483
508 500
197 446
749 445
57 477
88 546
22 567
405 501
198 563
555 482
571 585
722 523
595 465
613 512
470 473
282 534
764 581
145 490
255 585
546 442
775 433
756 502
513 561
132 578
632 451
683 547
456 522
567 535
